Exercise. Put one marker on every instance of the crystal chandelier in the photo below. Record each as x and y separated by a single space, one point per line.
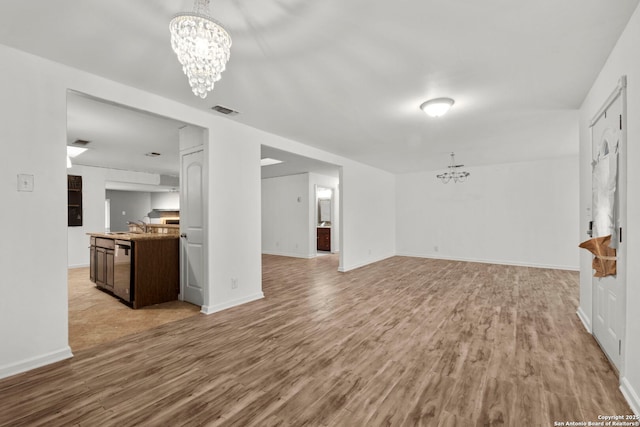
453 173
202 46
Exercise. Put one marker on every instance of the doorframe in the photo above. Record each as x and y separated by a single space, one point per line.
205 187
620 91
205 213
316 219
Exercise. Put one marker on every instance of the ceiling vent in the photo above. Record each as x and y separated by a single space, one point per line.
80 142
224 110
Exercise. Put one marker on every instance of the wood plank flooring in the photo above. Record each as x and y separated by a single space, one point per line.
404 341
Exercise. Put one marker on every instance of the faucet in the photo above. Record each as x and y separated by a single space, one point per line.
139 224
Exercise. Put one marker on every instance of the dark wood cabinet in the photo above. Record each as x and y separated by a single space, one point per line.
102 267
154 269
74 200
109 269
92 260
324 239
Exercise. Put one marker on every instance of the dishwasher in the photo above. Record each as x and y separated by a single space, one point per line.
122 279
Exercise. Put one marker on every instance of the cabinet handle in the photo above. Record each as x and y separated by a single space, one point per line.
183 235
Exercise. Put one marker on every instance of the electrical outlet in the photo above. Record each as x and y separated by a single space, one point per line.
234 283
435 249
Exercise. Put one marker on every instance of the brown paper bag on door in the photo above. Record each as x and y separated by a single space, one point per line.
604 261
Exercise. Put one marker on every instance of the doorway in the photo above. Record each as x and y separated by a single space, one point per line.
131 165
326 221
609 197
291 204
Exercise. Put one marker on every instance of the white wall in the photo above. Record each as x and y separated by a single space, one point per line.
33 261
127 206
518 213
367 217
234 216
624 60
164 200
285 216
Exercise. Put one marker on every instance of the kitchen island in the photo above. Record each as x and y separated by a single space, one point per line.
140 268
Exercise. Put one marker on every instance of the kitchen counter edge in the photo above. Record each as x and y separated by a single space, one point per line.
133 236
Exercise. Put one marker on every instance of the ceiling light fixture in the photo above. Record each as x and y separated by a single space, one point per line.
437 107
202 45
453 173
267 161
73 152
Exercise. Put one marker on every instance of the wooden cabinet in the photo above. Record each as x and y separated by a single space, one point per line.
324 239
92 260
102 267
154 269
74 200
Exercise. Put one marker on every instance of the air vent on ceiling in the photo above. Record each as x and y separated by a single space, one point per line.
224 110
80 142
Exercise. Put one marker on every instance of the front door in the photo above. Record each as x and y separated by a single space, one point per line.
192 227
608 292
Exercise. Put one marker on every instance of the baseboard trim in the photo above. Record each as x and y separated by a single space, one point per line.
584 319
219 307
35 362
78 266
289 254
362 264
492 261
630 394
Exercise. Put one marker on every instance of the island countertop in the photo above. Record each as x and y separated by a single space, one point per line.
134 236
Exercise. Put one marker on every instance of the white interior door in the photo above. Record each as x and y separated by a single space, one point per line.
192 227
609 292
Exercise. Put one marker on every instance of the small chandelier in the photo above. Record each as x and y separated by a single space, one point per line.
453 173
202 46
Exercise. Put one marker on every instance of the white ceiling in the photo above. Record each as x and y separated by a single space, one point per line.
348 77
120 138
293 164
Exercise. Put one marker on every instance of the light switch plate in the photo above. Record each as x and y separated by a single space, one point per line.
25 182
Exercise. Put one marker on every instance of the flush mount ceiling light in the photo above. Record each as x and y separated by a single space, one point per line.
453 173
202 45
437 107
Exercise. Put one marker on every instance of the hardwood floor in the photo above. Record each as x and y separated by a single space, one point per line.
96 317
404 341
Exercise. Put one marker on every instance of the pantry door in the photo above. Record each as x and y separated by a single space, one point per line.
609 293
192 227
